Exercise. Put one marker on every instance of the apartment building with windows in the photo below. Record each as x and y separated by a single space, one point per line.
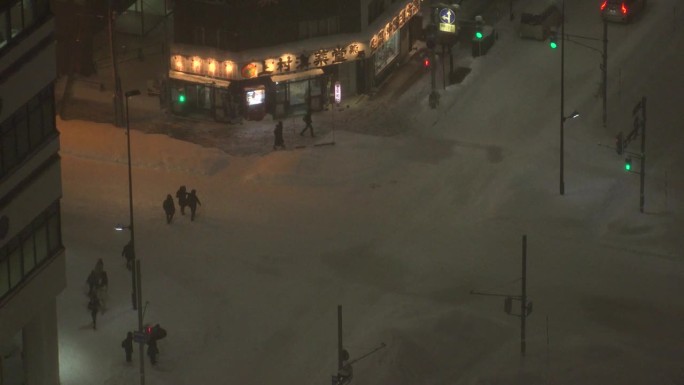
282 57
32 258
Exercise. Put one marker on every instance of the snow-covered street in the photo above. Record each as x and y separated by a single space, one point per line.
399 228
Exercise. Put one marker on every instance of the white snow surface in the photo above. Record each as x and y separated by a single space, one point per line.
399 228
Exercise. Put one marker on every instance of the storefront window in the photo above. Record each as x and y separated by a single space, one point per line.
4 275
17 18
29 253
4 28
15 274
386 53
28 12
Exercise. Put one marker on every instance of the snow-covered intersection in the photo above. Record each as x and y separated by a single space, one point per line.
398 230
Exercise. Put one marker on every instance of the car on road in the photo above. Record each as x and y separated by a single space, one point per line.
622 11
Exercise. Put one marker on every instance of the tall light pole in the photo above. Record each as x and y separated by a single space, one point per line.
137 294
562 98
116 97
130 197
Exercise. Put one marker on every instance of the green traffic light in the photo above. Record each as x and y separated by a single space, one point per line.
181 98
628 166
553 45
478 35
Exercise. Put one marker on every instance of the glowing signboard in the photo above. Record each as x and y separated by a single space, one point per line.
338 92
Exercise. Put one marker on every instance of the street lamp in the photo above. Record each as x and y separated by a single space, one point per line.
562 98
130 193
137 294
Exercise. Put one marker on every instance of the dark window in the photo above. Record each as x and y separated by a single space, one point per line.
21 128
35 121
8 140
34 245
375 9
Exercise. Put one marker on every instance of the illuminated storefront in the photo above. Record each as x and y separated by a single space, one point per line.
223 84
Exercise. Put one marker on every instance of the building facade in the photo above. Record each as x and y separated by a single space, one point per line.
32 259
238 58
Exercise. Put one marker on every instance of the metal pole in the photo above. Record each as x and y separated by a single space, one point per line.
130 204
511 9
443 67
142 19
523 301
605 73
118 95
140 324
339 337
643 155
562 113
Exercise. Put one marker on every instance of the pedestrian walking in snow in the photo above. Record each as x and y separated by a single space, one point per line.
128 254
169 208
152 351
127 345
182 195
92 282
278 136
94 307
193 201
308 126
99 266
101 291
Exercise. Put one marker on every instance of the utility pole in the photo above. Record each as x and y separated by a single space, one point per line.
525 308
562 98
604 68
339 338
523 302
117 97
643 155
140 322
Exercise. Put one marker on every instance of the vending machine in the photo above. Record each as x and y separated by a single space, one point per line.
255 101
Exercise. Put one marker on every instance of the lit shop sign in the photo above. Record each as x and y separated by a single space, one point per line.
404 15
286 63
338 92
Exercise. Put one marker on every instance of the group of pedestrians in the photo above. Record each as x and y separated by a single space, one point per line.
185 199
153 334
98 283
279 141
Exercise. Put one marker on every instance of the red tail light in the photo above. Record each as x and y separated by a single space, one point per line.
604 5
624 9
426 63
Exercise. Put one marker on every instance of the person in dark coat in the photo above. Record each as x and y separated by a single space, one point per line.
182 195
128 254
278 135
94 307
169 208
308 126
127 345
92 281
193 201
152 351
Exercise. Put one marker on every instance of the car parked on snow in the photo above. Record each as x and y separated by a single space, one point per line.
621 11
539 19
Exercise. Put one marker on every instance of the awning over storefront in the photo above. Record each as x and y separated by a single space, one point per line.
198 79
297 75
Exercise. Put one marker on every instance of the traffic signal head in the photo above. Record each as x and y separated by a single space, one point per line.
553 40
426 63
619 144
478 33
628 164
181 98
